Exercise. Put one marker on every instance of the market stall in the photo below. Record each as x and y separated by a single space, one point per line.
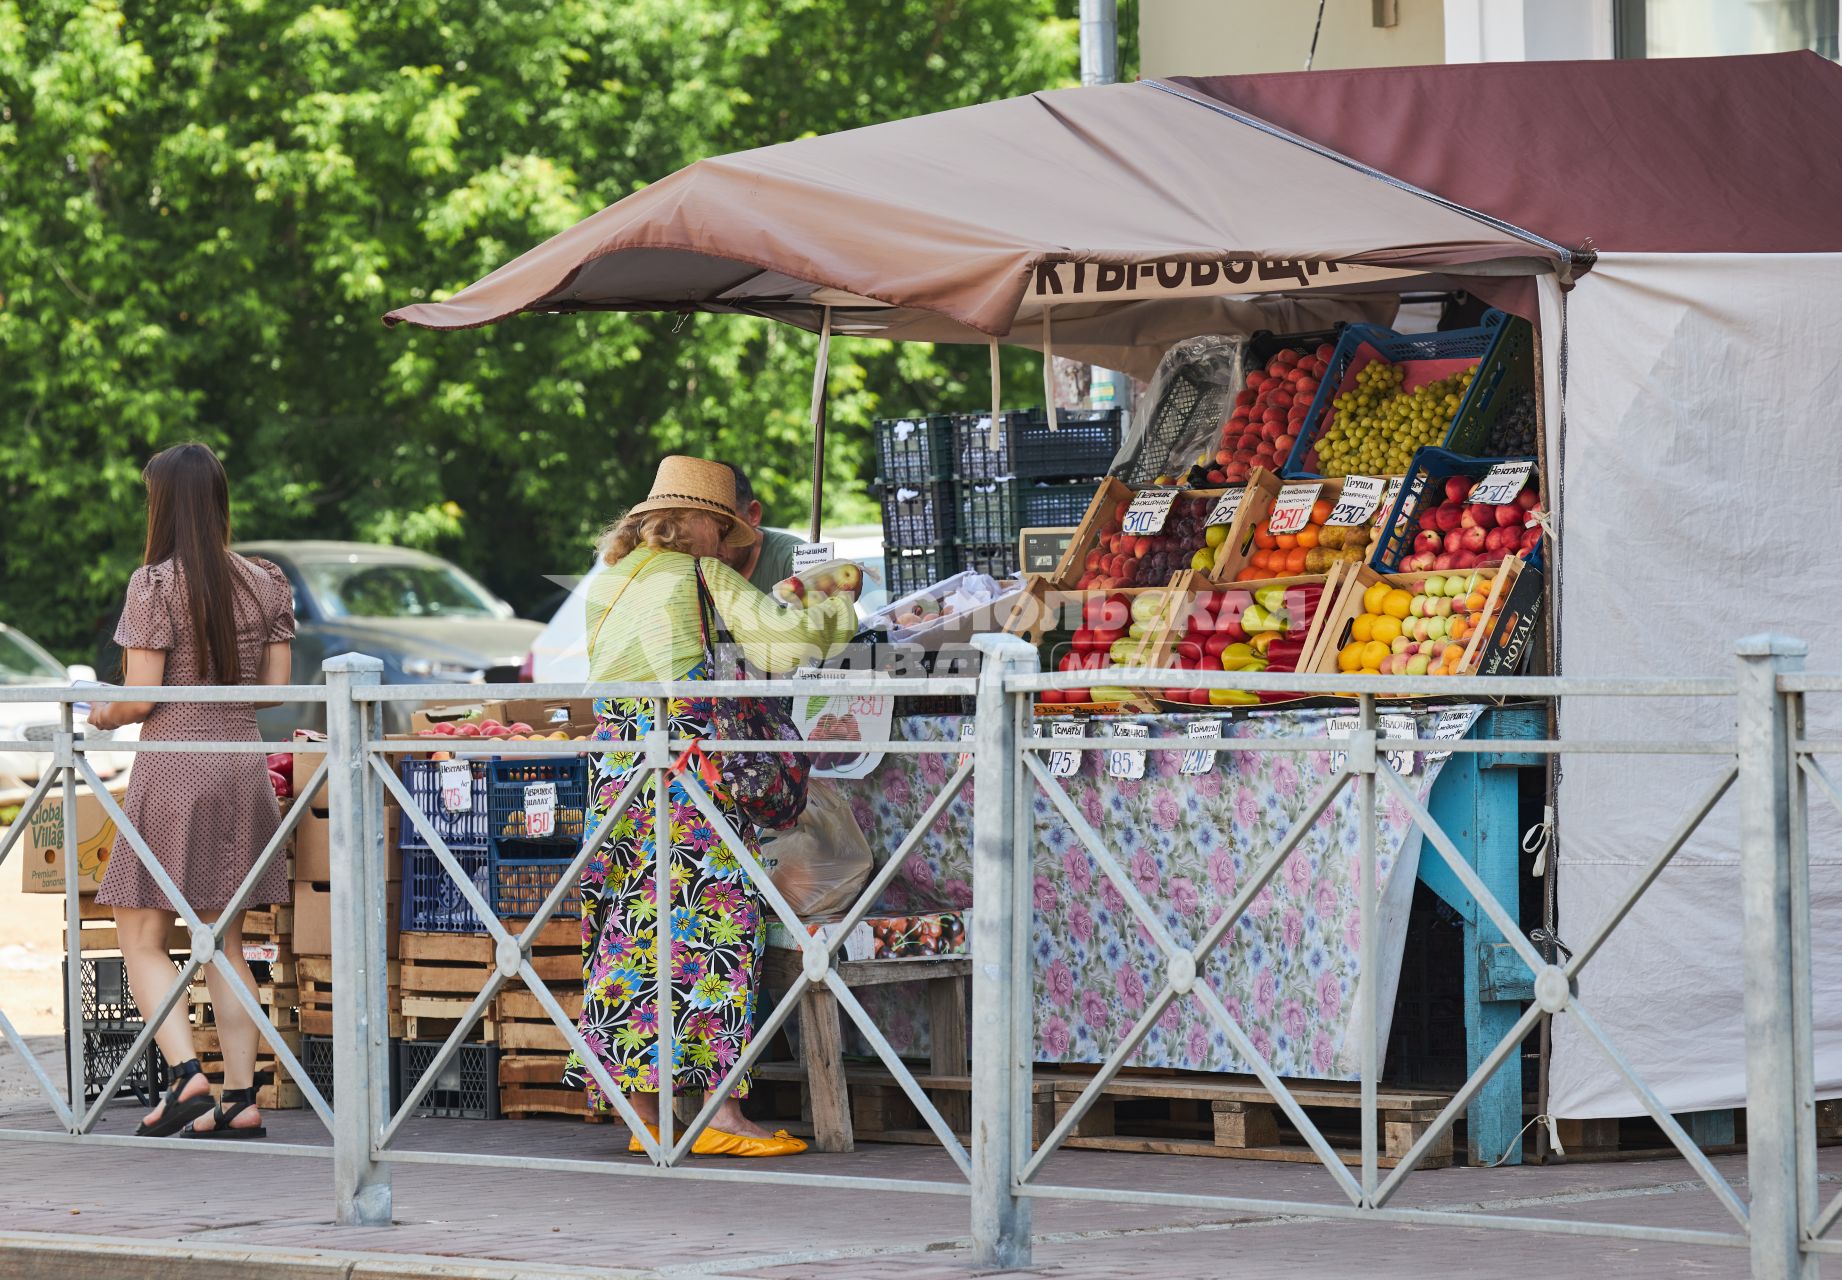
1286 205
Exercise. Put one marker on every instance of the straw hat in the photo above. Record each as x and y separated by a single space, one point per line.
692 484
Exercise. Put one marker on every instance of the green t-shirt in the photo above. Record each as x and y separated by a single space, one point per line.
776 563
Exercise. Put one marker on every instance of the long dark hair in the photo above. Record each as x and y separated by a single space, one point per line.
188 522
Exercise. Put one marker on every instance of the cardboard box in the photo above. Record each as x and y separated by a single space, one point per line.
41 848
313 918
425 718
305 762
313 846
575 715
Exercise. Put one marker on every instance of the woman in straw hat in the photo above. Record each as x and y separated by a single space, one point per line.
644 625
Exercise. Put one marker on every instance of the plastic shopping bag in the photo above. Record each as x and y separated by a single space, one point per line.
822 862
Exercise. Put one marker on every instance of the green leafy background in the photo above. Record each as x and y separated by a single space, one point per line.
206 206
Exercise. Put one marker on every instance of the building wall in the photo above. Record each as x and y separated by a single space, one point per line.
1235 37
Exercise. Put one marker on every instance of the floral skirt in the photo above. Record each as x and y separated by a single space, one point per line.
717 922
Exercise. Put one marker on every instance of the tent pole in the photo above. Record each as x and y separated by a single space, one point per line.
1049 369
821 367
997 402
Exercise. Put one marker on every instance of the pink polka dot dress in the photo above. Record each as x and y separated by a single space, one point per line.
206 817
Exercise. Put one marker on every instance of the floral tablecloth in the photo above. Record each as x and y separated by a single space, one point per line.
1289 970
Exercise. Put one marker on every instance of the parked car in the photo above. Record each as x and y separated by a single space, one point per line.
24 663
430 622
560 653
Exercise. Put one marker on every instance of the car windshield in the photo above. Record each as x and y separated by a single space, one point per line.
22 662
394 589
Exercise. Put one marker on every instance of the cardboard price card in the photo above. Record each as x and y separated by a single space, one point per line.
1194 762
968 730
1501 483
1340 727
540 809
1453 724
1292 508
1357 503
1065 764
1226 507
1397 725
1127 764
1147 513
455 778
808 554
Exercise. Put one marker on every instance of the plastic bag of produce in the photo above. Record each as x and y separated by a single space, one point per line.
822 862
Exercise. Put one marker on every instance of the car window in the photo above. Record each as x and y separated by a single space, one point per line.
22 662
374 589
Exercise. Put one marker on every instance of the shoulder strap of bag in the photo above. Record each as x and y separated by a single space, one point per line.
619 592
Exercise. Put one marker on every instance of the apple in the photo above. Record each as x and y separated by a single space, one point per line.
1427 540
1472 539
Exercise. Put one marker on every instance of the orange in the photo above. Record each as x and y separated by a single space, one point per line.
1308 536
1250 575
1320 511
1286 541
1295 560
1359 629
1263 538
1397 603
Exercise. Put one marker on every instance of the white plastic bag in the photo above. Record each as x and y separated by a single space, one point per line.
822 862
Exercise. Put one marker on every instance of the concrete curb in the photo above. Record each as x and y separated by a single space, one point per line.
45 1256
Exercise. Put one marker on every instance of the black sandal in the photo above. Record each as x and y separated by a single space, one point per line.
236 1102
177 1112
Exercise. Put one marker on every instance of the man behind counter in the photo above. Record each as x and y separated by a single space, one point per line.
770 558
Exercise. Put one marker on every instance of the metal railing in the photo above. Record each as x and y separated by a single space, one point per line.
1769 764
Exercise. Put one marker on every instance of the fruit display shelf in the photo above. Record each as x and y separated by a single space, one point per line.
1306 527
1115 630
1386 394
1435 524
1474 622
1104 556
1278 624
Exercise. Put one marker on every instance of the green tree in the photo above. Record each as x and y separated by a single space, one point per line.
205 205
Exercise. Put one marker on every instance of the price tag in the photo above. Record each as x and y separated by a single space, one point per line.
1357 503
1127 764
1292 508
455 778
968 730
1065 764
540 809
1200 761
262 952
1397 725
1148 510
1340 727
808 554
1453 724
1226 507
1395 485
1501 483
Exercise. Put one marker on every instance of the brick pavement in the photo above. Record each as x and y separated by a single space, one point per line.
240 1199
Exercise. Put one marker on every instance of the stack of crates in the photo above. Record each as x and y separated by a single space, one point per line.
111 1020
955 495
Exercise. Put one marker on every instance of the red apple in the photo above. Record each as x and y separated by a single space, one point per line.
1427 541
1472 540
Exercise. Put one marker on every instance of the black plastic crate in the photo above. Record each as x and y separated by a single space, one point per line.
513 876
466 1089
1082 446
506 783
103 1051
469 829
919 514
102 986
911 568
317 1061
992 511
999 559
914 450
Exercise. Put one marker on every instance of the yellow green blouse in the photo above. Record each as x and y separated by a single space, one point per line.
642 620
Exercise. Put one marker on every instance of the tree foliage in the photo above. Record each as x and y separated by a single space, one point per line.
205 206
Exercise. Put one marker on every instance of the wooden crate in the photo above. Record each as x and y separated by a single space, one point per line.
1233 1116
1256 502
315 977
443 973
1481 647
274 1091
530 1085
523 1025
881 1110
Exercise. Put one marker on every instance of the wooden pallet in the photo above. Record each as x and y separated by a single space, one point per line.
1234 1116
530 1085
880 1109
524 1026
315 975
1640 1138
443 973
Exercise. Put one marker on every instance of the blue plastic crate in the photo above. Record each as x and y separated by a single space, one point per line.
507 779
1429 468
469 829
1502 346
513 876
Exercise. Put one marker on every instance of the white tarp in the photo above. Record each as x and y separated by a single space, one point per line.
1703 455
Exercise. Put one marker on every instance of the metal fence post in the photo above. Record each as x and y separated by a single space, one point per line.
361 1029
1000 987
1772 1110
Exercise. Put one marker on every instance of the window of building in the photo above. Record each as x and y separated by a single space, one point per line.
1709 28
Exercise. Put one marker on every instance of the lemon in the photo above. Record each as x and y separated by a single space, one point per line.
1397 603
1386 629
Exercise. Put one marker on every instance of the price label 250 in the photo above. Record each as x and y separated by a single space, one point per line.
1357 503
1147 513
1501 484
1292 508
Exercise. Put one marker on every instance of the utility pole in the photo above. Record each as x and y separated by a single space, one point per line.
1100 65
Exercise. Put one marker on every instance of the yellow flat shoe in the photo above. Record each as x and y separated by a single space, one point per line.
714 1142
633 1143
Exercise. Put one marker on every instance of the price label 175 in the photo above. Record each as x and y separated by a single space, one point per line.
1357 503
455 779
1292 508
1501 483
1065 764
1148 510
1226 507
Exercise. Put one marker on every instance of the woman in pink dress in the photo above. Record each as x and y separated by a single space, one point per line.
196 614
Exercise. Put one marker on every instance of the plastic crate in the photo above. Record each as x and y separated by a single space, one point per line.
466 1089
998 559
914 450
470 830
994 510
1501 347
103 1051
1082 446
918 515
514 876
506 783
317 1062
107 1002
1418 490
910 568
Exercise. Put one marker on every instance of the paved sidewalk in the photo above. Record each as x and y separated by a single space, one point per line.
237 1212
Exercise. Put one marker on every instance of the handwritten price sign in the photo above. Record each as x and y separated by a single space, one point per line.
1127 764
1501 483
1200 761
1357 503
1065 764
1226 507
1147 513
1292 508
